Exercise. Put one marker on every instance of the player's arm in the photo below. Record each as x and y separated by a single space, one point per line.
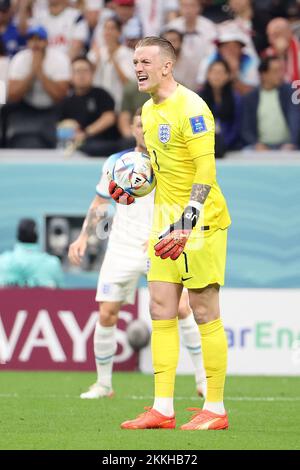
96 213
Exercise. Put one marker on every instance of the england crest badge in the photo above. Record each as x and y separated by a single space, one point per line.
164 133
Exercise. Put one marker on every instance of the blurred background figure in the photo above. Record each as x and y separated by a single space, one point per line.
270 118
154 14
186 66
199 32
226 106
26 265
66 27
278 8
132 35
92 13
103 14
113 62
243 66
95 14
251 22
215 10
92 109
38 79
10 35
4 63
235 33
126 13
285 45
38 6
294 17
131 101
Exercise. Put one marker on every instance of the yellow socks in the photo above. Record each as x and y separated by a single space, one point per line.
165 352
214 351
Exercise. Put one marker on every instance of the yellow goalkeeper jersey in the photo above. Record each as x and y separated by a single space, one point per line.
180 135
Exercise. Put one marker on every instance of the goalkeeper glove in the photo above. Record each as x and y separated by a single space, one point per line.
174 239
119 195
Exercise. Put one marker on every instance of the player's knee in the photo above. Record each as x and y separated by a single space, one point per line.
160 311
108 315
203 314
155 309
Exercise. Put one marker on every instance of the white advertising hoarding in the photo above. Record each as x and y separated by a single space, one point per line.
263 331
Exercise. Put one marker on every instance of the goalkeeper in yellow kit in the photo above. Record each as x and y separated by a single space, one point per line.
188 241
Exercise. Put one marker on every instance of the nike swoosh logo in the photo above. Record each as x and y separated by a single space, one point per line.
186 278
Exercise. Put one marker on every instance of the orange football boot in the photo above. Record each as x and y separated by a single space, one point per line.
150 419
205 420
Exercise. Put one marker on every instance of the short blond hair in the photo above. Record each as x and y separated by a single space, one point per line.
165 46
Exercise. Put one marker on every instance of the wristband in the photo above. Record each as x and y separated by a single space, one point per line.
189 217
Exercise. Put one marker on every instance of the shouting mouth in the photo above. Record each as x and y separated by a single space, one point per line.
142 79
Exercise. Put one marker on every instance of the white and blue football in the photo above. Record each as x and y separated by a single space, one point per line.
133 173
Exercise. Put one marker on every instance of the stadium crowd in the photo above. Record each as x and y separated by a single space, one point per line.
69 75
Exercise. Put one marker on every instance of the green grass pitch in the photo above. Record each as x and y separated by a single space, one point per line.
42 410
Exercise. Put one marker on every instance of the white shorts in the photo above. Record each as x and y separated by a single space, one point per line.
119 275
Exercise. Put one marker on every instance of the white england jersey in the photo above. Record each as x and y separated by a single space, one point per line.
131 224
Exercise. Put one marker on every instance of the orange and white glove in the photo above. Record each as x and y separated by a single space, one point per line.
173 240
172 244
119 195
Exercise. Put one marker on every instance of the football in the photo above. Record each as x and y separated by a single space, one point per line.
138 334
133 173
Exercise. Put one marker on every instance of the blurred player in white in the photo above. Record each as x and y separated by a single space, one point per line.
124 262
